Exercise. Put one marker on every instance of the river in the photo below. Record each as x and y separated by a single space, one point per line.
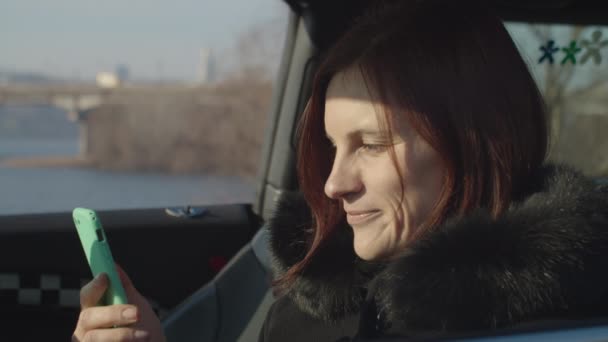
43 190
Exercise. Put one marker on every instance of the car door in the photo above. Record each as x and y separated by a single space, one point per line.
169 157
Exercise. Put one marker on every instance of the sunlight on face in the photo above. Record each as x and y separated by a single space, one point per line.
364 177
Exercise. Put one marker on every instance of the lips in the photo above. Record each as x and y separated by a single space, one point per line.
359 217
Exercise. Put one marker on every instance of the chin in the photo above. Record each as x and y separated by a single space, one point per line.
367 252
370 242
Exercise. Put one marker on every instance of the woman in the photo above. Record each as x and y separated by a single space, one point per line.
428 208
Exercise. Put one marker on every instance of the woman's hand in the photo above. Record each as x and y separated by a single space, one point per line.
134 322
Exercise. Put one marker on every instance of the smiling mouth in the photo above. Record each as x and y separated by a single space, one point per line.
363 217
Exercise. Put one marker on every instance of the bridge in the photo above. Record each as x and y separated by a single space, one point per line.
79 100
76 98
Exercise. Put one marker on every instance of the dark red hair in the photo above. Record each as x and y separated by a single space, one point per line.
452 69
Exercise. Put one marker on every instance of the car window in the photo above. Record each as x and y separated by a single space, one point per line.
137 104
570 65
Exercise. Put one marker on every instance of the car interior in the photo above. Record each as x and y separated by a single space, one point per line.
176 266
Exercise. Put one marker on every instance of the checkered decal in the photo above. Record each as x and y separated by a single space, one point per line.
47 290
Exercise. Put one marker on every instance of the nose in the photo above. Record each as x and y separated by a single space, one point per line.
343 180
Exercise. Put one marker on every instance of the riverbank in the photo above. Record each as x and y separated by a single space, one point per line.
46 161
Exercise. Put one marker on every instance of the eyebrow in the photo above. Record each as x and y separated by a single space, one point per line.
368 132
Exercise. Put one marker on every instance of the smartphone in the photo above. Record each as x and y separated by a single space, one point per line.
97 251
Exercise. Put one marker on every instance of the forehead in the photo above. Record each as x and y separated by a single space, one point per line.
352 105
349 102
350 84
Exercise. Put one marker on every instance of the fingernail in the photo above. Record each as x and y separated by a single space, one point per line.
130 314
141 334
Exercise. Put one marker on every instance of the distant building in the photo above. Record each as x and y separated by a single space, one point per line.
206 69
107 80
122 72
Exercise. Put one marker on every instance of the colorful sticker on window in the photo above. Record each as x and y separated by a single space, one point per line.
573 53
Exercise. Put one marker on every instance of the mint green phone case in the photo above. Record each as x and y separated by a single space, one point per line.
97 251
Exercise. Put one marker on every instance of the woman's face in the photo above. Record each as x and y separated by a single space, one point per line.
363 175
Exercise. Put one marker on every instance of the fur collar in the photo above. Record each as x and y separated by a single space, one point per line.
546 257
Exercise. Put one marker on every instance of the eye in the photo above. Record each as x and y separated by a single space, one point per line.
374 148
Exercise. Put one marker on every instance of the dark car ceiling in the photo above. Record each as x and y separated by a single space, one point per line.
327 19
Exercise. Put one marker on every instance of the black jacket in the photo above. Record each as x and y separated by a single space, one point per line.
546 258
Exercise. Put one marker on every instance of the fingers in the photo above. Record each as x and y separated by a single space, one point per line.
93 291
124 278
133 296
100 317
117 334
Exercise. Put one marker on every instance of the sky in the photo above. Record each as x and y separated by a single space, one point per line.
155 39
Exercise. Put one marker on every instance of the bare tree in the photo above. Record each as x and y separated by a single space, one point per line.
256 53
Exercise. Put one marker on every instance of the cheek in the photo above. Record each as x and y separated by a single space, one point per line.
420 175
423 164
383 189
423 183
382 180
